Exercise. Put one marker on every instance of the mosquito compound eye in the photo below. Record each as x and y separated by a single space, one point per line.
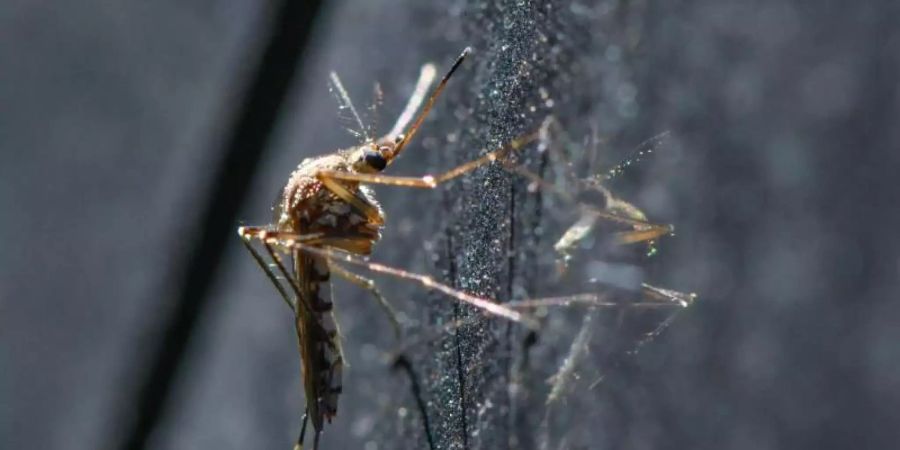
375 160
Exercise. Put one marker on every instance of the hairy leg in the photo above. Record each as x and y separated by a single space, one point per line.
370 286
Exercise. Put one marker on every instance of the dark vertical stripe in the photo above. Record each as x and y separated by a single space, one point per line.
460 367
250 132
402 362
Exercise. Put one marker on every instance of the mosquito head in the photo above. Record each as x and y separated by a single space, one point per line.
373 157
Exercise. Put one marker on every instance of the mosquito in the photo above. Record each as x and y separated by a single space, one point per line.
325 215
326 219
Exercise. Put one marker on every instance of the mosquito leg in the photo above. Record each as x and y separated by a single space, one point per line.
560 381
652 293
329 177
615 210
335 255
552 131
640 229
367 209
268 237
271 275
583 227
428 181
271 238
553 139
657 293
624 212
642 235
650 298
370 286
539 182
602 300
299 444
402 362
247 234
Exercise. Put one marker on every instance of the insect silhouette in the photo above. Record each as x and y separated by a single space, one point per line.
327 218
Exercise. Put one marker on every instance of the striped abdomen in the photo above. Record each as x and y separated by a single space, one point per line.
320 346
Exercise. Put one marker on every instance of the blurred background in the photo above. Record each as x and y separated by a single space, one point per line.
135 137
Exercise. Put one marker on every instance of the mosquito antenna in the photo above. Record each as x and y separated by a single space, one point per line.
428 105
346 103
635 156
377 100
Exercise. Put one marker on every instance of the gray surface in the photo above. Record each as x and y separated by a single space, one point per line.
785 223
106 117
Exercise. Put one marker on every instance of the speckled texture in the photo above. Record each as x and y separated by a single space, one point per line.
779 175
